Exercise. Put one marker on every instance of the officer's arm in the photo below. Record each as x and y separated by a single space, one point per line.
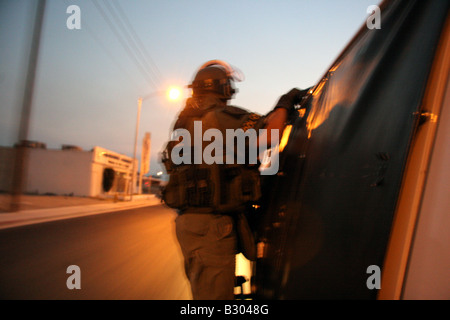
277 118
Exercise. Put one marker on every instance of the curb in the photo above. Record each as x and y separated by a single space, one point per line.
27 217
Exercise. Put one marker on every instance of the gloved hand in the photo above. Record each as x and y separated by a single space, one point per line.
289 100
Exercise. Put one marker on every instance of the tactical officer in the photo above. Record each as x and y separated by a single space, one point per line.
209 196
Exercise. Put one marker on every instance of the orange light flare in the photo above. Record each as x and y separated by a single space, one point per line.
174 93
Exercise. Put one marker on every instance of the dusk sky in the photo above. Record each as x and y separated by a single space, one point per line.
89 79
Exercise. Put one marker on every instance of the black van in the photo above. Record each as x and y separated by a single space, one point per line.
359 208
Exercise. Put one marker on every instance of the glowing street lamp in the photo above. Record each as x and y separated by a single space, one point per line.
173 94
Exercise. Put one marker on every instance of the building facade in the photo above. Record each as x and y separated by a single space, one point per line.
69 171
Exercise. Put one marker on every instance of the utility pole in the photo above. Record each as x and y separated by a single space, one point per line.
134 167
20 163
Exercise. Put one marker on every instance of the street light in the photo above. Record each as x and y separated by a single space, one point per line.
173 94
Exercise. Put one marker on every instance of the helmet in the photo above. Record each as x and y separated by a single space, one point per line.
215 77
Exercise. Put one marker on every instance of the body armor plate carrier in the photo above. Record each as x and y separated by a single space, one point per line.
209 188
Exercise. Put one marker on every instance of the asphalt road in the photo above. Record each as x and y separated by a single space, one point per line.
122 255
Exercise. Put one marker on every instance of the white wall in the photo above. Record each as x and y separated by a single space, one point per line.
96 172
59 172
63 172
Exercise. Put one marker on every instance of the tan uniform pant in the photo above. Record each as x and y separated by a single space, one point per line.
208 243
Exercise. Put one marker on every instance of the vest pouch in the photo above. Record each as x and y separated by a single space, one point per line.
242 185
199 187
174 194
251 189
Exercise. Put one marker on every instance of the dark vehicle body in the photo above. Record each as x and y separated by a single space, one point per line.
363 180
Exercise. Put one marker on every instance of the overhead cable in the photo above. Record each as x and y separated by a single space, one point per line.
140 66
146 55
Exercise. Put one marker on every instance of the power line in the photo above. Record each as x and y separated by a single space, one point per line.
138 41
130 53
101 43
129 36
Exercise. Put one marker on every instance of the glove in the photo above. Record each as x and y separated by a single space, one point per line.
289 100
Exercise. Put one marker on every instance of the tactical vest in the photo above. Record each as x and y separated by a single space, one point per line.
208 188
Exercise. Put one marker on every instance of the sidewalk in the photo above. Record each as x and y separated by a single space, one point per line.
36 209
